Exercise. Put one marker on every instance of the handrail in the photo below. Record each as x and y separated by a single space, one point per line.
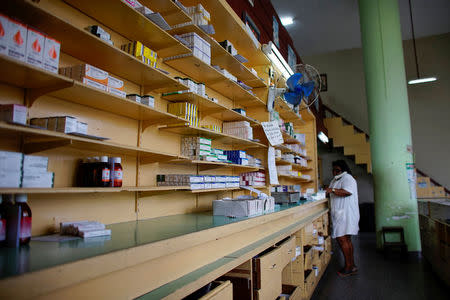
334 113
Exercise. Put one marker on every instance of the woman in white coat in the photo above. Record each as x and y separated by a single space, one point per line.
343 192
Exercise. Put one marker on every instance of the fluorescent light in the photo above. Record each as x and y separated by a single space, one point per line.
278 60
323 137
422 80
287 21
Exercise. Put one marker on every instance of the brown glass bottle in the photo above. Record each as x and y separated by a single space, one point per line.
25 219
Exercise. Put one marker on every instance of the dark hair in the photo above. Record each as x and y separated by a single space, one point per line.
343 165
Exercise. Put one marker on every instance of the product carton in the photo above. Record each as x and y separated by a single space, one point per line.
4 28
34 164
14 113
116 92
94 84
66 124
35 48
39 122
115 83
38 180
10 179
82 127
51 54
90 72
10 161
17 40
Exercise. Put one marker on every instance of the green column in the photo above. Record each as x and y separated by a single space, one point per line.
390 128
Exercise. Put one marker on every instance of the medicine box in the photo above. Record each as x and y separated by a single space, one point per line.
134 97
148 100
90 72
4 27
14 113
39 122
65 124
38 180
51 54
99 31
10 179
116 92
94 84
35 47
16 39
35 164
144 10
10 161
115 83
82 127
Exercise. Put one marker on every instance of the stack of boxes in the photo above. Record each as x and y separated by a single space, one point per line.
198 182
241 129
286 188
199 15
215 128
65 124
141 52
199 47
226 73
13 113
243 206
27 171
227 45
253 179
237 157
296 148
194 87
196 148
26 44
101 33
145 99
253 161
184 110
95 77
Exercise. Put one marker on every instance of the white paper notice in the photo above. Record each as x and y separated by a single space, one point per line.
273 175
273 133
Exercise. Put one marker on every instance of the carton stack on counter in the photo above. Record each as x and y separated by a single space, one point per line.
286 188
95 77
84 229
237 157
29 45
241 129
215 128
243 206
194 87
253 179
184 110
141 52
196 148
27 171
64 124
199 47
198 182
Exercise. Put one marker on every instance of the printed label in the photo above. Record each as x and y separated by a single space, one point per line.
116 177
105 175
25 227
2 229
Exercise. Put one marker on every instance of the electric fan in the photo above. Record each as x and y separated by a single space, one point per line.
304 84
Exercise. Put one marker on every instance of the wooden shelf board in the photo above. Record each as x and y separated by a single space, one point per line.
208 165
85 46
222 58
202 72
297 178
222 137
285 149
92 97
122 18
37 140
298 167
171 12
228 26
23 75
306 113
286 113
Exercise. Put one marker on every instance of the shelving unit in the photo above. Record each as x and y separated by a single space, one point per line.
152 226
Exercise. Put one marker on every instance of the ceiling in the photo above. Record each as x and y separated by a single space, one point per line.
322 26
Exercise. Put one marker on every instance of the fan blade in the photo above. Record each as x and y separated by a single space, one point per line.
307 88
293 98
292 82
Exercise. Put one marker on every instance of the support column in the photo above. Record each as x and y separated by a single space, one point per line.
390 128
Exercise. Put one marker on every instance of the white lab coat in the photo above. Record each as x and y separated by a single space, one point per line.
344 210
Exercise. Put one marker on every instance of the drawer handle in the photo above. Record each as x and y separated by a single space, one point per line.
273 266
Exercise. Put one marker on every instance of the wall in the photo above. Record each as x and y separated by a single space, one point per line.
429 103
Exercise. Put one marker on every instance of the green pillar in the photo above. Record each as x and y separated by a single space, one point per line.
390 128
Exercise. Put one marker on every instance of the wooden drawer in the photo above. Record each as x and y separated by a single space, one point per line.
308 257
294 292
287 250
293 273
221 290
310 280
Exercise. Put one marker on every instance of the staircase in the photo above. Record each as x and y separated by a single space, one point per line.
356 142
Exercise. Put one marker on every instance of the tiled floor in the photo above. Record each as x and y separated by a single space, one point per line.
379 278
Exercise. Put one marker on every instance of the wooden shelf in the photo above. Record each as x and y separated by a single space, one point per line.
228 26
297 178
280 162
208 107
122 18
85 95
286 112
37 140
289 139
202 72
85 46
171 12
285 149
222 58
209 165
221 137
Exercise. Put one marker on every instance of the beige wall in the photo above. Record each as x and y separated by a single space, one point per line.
429 104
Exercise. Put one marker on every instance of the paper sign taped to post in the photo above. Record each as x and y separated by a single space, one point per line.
273 133
273 174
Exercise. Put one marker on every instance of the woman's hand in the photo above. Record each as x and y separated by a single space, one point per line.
329 190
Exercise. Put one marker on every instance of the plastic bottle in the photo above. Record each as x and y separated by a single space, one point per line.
25 219
2 222
116 172
103 172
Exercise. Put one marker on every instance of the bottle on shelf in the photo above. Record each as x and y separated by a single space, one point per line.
116 172
24 219
103 173
2 222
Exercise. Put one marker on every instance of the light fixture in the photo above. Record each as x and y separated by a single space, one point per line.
277 59
287 21
418 80
323 137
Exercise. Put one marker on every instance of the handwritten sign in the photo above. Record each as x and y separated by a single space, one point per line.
273 133
273 174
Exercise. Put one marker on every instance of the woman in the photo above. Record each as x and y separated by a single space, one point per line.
344 212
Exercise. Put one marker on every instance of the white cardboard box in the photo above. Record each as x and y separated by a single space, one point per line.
14 113
51 55
10 179
38 180
66 124
82 127
10 161
4 26
35 47
35 164
17 40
